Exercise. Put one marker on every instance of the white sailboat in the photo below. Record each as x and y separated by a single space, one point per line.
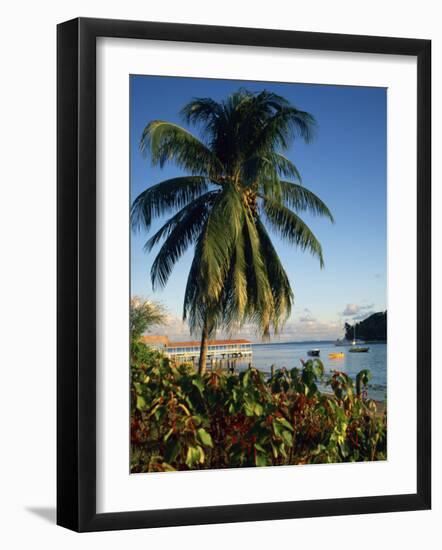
356 348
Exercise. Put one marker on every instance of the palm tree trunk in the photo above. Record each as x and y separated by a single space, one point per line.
203 350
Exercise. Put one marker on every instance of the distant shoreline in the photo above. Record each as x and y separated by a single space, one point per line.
284 342
312 342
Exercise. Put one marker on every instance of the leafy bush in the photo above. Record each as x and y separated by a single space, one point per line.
182 421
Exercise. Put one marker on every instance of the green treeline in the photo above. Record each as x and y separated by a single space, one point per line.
372 328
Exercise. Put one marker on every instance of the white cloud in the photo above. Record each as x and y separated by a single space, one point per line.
176 329
312 330
307 316
363 315
355 309
350 309
306 327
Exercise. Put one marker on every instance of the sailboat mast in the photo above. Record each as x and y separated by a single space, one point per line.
354 334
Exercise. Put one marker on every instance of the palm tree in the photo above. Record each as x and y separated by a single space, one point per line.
145 315
234 190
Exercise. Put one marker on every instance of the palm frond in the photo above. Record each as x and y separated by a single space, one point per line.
198 307
222 228
281 129
181 231
170 142
269 165
194 310
280 285
239 278
300 198
261 300
291 228
234 301
168 195
284 166
203 111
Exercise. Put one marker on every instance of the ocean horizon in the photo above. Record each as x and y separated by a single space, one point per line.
292 342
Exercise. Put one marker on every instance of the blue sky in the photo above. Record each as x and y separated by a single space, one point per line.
345 165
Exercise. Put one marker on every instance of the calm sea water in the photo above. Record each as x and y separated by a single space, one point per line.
289 355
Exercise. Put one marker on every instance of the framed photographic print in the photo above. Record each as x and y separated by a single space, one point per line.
239 213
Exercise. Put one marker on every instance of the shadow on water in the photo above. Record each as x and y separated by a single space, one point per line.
47 513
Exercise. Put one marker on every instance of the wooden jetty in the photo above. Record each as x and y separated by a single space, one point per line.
190 350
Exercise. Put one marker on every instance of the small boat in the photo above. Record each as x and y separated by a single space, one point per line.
338 355
314 352
355 348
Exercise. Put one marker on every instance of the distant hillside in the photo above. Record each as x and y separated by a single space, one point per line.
372 328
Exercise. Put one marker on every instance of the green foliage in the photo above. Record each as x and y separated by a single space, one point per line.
181 420
373 328
145 314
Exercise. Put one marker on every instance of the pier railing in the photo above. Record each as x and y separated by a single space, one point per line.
222 351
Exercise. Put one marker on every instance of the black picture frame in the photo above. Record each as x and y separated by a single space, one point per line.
76 274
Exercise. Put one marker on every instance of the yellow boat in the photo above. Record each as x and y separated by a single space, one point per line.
339 355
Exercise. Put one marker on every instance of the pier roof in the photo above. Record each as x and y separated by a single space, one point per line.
193 343
154 339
